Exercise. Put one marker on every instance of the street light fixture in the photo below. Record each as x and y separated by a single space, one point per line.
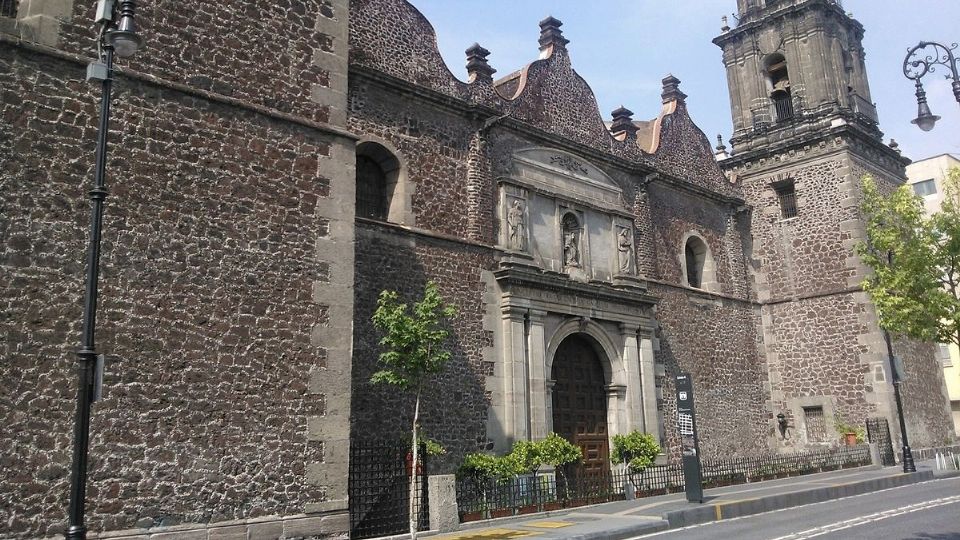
922 59
118 34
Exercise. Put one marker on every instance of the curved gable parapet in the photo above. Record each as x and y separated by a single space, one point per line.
681 149
393 37
553 97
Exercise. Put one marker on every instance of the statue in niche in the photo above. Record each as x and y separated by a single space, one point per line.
571 241
625 250
571 255
516 227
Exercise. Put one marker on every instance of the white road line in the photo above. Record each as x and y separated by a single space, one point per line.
831 501
870 518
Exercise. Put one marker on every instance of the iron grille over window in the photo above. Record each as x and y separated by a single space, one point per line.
787 196
8 8
783 105
371 189
816 424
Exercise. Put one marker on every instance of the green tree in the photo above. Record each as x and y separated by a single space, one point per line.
915 261
559 452
413 352
637 450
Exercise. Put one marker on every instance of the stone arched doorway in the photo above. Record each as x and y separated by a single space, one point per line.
580 400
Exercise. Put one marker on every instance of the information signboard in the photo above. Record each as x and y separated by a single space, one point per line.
689 443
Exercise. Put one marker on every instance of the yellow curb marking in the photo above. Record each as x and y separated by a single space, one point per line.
718 512
549 524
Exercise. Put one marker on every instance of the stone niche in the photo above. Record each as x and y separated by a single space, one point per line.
564 215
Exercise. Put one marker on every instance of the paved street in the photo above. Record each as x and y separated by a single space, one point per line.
929 510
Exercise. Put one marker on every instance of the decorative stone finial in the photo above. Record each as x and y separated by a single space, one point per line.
623 122
671 90
551 35
477 67
894 146
721 149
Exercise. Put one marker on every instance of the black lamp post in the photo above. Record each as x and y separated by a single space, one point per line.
118 35
922 59
908 464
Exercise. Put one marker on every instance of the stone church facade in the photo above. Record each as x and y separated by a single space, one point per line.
263 196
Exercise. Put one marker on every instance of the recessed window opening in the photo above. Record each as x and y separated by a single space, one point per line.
376 174
787 197
816 424
780 93
925 187
695 254
8 8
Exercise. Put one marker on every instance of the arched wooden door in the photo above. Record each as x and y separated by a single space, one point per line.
580 401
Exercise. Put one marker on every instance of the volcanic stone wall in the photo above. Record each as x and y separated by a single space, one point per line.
222 273
713 335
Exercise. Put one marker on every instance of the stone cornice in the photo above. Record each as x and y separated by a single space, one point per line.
827 140
510 276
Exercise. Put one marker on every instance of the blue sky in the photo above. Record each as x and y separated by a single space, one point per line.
624 47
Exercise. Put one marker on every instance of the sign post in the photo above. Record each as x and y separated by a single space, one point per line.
689 443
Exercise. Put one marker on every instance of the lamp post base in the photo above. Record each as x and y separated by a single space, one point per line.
908 464
76 532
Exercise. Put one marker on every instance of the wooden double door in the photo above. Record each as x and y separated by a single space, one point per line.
580 402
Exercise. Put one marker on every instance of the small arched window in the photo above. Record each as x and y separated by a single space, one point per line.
693 252
376 174
698 264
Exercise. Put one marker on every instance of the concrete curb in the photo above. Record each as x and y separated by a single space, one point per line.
621 533
747 507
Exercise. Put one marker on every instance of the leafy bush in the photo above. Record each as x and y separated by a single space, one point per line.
637 450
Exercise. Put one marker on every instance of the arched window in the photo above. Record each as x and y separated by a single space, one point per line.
377 173
698 265
775 67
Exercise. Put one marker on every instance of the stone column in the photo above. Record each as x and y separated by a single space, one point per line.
616 410
537 366
515 405
631 365
648 383
548 399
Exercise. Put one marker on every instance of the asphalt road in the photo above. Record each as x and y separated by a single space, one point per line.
925 511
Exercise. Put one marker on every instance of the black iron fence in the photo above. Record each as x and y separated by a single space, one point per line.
528 494
379 489
878 432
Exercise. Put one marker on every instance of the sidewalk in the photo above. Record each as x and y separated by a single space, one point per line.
624 519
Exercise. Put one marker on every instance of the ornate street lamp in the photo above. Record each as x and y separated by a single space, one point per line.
922 59
118 35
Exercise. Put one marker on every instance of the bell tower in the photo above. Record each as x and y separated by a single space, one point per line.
793 66
804 135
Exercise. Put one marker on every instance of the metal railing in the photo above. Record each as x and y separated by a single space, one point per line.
863 107
783 106
549 491
8 8
379 488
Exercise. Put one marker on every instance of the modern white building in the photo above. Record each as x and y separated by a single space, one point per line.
927 177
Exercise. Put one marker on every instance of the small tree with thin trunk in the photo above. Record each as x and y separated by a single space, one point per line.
413 352
915 261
